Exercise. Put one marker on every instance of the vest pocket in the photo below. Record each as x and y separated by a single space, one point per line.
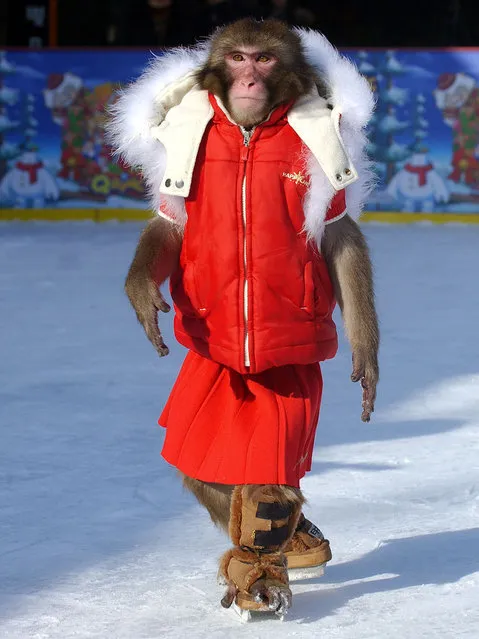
191 289
308 300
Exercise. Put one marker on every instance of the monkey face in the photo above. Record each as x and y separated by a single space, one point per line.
248 95
255 66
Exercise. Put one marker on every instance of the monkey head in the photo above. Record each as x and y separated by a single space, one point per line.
255 66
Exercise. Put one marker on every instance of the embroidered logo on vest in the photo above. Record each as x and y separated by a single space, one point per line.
297 177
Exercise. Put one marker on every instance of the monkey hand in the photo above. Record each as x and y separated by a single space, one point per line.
274 594
146 299
366 370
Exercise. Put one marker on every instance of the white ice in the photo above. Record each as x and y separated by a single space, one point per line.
98 539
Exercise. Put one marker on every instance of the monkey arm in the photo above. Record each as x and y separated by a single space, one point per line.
156 257
347 255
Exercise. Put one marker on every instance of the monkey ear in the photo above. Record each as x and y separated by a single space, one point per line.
173 94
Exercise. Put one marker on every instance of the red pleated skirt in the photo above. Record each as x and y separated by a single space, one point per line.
229 428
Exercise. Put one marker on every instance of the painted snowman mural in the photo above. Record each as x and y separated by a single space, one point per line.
418 187
28 184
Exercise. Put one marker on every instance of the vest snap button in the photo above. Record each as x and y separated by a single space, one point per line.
168 182
347 171
339 177
179 184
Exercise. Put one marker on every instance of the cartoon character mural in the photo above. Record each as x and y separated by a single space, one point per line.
85 155
28 184
423 137
65 96
457 97
418 187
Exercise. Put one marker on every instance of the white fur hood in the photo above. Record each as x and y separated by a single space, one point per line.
140 128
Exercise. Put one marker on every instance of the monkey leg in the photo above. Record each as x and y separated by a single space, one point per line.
263 520
216 498
307 551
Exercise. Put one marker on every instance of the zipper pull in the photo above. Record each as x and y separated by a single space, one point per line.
247 135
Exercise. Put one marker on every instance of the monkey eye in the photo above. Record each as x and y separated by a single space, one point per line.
237 57
263 58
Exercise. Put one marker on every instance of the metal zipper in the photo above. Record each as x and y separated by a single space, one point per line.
246 140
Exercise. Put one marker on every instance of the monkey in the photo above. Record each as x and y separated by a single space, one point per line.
247 146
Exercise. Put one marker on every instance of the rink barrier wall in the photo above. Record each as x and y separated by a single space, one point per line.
140 215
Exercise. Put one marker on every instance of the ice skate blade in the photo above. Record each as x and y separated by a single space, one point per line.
248 616
296 574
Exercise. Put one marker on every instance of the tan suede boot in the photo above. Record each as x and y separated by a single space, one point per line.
308 551
263 520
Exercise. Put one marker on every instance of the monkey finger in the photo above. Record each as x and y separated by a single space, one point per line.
162 349
160 302
229 595
153 333
275 599
357 374
358 368
368 401
278 599
163 306
366 415
286 601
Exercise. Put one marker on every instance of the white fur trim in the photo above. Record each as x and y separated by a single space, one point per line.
139 108
351 95
317 200
143 105
173 208
349 90
321 191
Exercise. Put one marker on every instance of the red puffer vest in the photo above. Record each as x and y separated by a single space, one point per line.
250 292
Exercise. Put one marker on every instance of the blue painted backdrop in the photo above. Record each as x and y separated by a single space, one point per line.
424 137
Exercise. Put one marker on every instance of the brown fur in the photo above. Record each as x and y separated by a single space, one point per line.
297 544
347 255
223 502
241 568
156 257
157 252
216 498
291 78
266 570
255 494
251 572
279 493
236 514
224 563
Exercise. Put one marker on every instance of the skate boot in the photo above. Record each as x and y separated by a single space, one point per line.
262 522
307 552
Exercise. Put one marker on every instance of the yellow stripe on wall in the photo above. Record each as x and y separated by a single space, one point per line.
65 215
135 215
412 218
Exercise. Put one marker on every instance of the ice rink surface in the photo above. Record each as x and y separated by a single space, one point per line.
98 539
